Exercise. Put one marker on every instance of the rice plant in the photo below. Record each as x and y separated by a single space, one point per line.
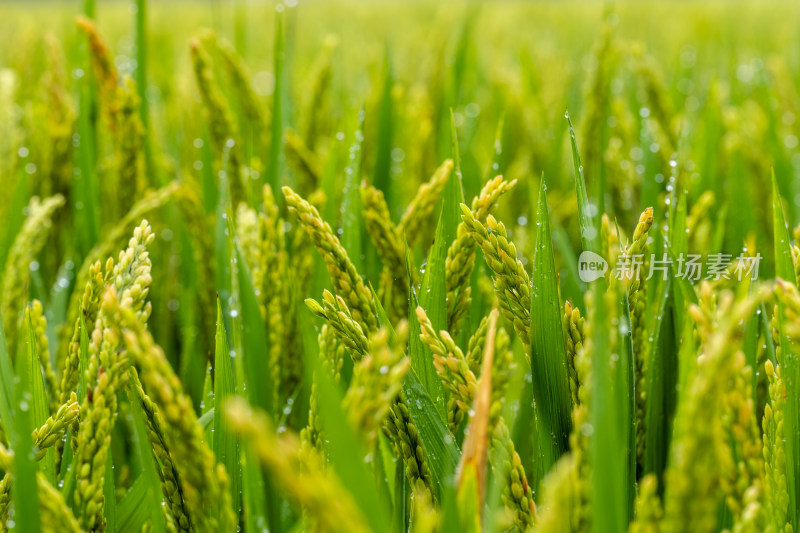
348 267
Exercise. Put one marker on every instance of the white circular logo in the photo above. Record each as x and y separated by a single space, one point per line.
591 266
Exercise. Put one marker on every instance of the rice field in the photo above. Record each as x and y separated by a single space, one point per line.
399 266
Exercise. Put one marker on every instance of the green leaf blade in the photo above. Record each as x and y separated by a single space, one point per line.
260 381
40 405
661 383
26 414
352 223
548 347
131 519
440 446
784 268
590 237
274 171
225 444
381 176
420 355
6 385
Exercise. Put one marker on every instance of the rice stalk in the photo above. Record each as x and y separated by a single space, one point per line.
5 500
55 515
121 109
573 333
204 481
196 224
251 106
316 122
453 370
637 252
474 355
56 426
107 369
21 257
776 493
421 208
699 444
346 280
89 307
408 447
581 429
376 383
461 253
404 435
388 241
511 281
149 203
39 323
558 491
335 311
316 489
171 486
743 480
222 129
58 165
425 517
699 222
304 161
648 507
